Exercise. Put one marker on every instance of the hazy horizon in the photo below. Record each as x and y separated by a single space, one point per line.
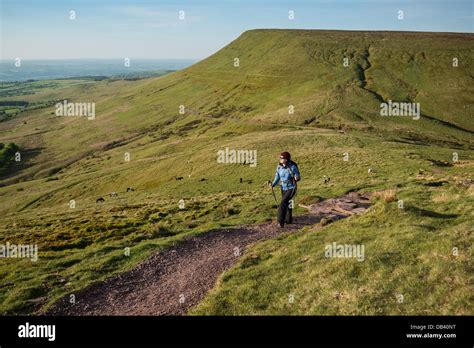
201 58
45 69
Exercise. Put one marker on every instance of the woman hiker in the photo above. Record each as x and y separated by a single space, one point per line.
287 174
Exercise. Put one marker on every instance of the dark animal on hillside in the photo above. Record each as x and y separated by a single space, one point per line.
100 200
178 177
327 179
130 189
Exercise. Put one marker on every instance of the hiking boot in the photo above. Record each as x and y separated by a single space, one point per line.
281 224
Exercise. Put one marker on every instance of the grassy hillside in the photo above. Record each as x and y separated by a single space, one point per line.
336 111
7 156
407 252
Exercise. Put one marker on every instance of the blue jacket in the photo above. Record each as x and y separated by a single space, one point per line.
285 175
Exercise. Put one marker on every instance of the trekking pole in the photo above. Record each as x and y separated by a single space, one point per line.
273 191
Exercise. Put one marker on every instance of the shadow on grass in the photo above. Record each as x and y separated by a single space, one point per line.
429 213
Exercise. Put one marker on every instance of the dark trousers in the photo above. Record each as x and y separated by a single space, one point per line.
285 213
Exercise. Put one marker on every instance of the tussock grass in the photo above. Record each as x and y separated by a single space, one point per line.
387 196
445 197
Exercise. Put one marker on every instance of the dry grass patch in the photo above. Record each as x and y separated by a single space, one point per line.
387 196
444 197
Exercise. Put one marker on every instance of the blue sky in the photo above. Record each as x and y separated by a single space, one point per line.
41 29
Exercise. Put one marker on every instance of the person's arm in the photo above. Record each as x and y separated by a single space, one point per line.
277 178
296 172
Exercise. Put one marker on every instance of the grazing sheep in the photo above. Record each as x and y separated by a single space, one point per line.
130 189
178 178
203 179
327 179
100 200
370 171
113 194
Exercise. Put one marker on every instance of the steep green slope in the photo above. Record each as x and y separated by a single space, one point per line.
298 67
416 261
277 68
336 111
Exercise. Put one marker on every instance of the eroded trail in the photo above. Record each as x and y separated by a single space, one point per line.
173 280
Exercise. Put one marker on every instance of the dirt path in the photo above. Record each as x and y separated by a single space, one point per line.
173 280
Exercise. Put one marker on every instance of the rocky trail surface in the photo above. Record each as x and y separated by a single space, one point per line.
173 280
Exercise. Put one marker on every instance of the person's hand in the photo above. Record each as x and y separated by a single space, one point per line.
270 184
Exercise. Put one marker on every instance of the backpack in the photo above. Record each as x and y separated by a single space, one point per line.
290 162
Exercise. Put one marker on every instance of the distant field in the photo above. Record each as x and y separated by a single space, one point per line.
17 97
40 69
409 251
